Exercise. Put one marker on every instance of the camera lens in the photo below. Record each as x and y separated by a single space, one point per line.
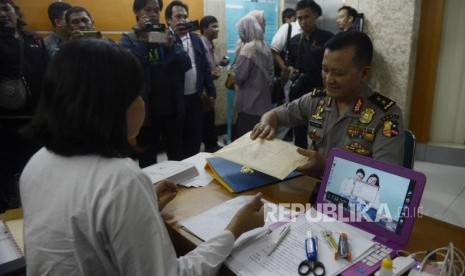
148 26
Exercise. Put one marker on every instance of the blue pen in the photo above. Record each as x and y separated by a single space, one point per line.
311 247
311 265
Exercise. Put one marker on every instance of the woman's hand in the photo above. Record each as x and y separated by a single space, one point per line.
166 191
249 217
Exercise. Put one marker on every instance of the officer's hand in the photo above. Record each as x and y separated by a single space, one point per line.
315 165
263 131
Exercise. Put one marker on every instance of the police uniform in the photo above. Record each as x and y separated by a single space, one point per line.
372 127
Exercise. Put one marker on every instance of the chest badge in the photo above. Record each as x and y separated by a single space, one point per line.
367 115
319 112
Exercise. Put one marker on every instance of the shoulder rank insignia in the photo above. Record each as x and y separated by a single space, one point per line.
381 101
318 92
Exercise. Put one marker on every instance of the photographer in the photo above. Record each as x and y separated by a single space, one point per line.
164 66
80 23
23 57
196 79
306 54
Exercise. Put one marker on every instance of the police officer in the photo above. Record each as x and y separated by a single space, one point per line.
347 114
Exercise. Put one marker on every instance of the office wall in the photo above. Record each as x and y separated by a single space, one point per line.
393 27
112 17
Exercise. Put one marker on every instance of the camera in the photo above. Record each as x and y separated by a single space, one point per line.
157 37
150 27
95 34
191 25
298 87
224 61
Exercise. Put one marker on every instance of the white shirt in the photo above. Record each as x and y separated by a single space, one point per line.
89 215
279 39
190 78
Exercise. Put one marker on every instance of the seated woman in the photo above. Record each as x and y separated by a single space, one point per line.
88 208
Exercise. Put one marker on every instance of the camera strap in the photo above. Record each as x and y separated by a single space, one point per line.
287 47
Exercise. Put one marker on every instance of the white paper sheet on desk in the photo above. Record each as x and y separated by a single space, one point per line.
212 222
252 259
273 157
189 172
203 179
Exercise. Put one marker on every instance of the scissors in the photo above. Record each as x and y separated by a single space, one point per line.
311 264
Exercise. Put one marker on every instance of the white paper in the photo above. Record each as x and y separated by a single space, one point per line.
9 250
252 259
365 191
273 157
213 221
176 171
203 179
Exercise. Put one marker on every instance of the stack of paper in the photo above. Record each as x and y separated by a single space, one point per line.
175 171
188 172
253 259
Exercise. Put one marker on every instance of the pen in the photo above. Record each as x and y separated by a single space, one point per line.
281 236
311 247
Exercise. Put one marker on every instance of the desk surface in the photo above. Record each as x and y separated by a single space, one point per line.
428 233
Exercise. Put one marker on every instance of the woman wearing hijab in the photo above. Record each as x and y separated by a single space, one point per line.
253 73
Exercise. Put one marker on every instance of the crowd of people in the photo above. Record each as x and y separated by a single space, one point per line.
94 106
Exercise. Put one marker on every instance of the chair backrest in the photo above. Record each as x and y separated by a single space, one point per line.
409 149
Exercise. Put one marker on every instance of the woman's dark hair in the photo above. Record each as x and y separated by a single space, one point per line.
87 89
169 8
375 176
140 4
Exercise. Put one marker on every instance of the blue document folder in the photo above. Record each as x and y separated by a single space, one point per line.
229 174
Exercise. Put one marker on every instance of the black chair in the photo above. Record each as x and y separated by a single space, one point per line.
409 149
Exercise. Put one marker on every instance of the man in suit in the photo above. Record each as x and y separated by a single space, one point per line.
196 80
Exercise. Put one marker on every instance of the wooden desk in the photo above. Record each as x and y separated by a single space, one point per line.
428 233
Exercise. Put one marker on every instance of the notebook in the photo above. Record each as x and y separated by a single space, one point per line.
11 255
387 209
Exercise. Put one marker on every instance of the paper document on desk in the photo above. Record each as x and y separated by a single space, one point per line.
176 171
203 178
213 221
252 258
273 157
